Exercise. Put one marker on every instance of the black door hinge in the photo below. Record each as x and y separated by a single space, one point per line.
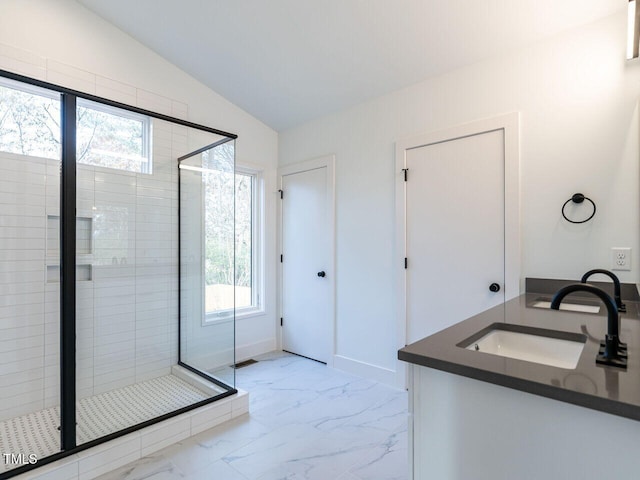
280 321
280 258
405 170
405 262
281 193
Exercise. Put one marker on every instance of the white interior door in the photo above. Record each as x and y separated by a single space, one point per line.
306 267
455 231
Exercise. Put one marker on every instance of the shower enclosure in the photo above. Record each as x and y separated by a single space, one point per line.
112 220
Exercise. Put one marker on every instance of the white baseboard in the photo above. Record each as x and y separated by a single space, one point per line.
223 358
245 352
367 370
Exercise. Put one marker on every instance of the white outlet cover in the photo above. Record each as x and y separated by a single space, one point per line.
621 258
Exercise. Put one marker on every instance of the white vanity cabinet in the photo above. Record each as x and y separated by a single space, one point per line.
466 429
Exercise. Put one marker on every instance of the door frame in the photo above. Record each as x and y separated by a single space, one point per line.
510 124
328 162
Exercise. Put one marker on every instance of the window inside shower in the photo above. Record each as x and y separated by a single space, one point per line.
103 270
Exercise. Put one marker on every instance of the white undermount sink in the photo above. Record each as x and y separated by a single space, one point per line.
572 307
536 348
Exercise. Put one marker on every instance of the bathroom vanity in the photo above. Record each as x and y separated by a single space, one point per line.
479 415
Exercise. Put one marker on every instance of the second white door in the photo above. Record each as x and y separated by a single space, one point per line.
455 231
306 262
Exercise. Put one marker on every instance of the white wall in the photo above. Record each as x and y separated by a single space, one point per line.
579 133
62 42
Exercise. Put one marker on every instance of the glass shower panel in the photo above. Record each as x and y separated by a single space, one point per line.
207 260
126 264
127 258
30 161
106 295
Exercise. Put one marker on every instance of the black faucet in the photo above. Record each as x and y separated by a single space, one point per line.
616 286
612 351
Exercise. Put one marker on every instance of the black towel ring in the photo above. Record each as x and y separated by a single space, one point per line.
579 198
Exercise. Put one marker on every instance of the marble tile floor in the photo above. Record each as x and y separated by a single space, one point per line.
307 421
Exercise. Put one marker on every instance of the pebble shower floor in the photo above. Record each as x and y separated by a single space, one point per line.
37 433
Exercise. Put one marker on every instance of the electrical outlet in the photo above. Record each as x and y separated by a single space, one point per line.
620 258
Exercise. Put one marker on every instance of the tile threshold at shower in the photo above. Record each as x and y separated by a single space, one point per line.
113 411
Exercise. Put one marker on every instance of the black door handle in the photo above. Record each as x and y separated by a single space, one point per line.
494 287
322 274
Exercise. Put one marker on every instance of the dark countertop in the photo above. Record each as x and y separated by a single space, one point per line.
603 388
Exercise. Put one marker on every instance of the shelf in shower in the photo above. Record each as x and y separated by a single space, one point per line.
84 235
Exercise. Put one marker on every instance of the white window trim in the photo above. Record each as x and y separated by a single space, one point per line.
257 255
28 88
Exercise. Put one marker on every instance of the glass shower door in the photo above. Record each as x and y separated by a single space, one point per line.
30 162
128 369
207 261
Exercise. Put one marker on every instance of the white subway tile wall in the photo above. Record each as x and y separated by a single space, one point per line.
71 77
127 289
134 294
127 276
24 312
22 62
114 90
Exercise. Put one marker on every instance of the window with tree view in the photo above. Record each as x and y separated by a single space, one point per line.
29 120
225 244
106 136
113 138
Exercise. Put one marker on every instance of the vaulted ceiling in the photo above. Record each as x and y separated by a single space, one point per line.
289 61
